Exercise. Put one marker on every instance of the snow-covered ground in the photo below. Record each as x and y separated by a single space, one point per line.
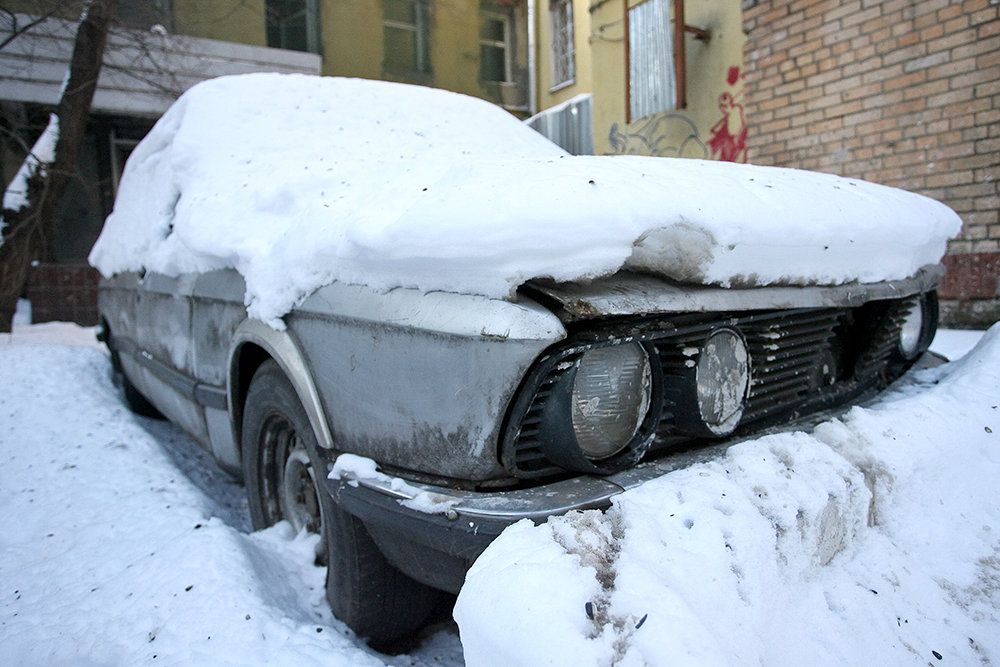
121 543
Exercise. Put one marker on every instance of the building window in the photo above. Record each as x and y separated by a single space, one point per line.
145 14
652 71
495 49
293 24
121 148
563 68
406 35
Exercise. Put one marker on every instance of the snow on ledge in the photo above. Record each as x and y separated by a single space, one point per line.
309 180
43 153
870 540
354 469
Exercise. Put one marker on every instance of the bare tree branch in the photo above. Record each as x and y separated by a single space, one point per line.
27 230
17 31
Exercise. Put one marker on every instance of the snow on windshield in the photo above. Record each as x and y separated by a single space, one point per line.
299 181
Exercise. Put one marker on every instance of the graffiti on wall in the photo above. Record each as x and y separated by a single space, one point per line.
663 135
728 137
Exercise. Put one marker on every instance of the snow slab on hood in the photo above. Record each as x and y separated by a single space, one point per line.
298 181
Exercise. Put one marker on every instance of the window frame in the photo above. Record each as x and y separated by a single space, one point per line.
506 44
310 12
561 19
680 29
421 30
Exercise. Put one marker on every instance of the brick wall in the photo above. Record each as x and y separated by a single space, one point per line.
901 92
63 293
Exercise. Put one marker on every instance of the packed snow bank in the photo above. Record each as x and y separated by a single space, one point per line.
299 181
953 343
121 543
871 540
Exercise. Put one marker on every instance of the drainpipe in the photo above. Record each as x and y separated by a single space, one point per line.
532 94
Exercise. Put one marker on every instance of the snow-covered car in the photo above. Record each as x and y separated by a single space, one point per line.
408 321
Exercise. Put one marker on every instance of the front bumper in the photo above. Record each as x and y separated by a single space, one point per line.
438 549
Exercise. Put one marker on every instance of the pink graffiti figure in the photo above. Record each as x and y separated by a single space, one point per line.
729 136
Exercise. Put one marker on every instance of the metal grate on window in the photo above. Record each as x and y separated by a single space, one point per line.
563 56
569 125
652 78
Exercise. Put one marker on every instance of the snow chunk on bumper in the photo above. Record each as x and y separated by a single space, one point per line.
866 541
437 191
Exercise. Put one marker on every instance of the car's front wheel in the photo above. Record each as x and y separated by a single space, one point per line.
284 479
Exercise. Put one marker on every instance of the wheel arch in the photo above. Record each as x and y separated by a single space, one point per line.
254 343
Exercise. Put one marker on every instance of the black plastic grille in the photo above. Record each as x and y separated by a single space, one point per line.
800 361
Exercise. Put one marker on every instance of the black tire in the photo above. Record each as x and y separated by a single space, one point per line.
372 597
133 399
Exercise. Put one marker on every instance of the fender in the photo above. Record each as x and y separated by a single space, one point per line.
281 347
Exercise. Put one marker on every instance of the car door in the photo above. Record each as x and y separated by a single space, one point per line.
163 369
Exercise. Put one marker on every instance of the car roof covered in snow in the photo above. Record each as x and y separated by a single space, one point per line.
299 181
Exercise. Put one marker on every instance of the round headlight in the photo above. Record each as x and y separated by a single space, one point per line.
722 378
611 396
911 332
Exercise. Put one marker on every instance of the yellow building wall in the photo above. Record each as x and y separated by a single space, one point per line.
352 38
240 21
549 94
713 69
351 35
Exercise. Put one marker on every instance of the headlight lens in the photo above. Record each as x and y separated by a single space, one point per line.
722 380
911 332
611 396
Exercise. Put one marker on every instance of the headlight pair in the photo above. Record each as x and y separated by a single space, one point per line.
601 415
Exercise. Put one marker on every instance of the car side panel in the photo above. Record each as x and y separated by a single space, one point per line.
150 317
411 398
217 311
163 320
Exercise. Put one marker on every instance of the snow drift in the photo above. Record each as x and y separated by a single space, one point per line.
871 540
123 543
298 181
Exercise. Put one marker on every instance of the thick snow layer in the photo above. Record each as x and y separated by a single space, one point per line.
121 543
953 343
15 197
299 181
874 539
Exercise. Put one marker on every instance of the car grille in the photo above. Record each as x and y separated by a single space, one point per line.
801 361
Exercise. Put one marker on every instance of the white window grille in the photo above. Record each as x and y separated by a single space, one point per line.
652 73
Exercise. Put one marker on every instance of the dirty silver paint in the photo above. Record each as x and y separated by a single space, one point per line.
414 398
417 381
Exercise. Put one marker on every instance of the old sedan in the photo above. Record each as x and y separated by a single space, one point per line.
405 347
